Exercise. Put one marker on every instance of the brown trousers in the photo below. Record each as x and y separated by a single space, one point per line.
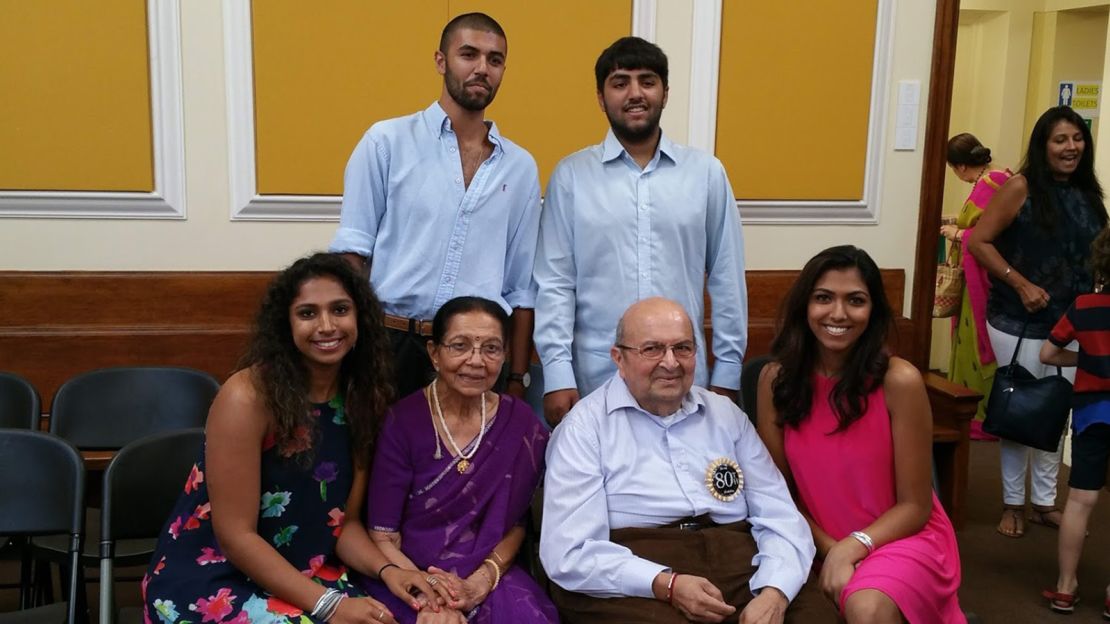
722 554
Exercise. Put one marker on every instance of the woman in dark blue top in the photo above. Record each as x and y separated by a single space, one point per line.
1034 240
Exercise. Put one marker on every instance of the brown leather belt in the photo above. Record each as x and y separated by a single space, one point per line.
412 326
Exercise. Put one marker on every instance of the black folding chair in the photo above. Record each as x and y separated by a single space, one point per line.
141 486
19 409
42 492
111 407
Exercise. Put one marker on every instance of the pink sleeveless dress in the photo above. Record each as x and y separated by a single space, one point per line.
846 481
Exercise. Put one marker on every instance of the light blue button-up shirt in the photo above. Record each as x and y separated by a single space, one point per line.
428 236
612 465
612 234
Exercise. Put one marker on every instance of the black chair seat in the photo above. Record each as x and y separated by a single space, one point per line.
53 613
128 552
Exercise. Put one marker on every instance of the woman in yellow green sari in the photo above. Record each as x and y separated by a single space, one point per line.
972 363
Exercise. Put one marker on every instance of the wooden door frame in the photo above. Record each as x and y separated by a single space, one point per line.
932 177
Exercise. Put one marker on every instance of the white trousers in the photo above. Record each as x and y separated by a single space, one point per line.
1016 457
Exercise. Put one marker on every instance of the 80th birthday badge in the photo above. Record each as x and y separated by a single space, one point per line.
723 479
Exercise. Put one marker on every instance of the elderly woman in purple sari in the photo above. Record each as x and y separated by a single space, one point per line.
454 471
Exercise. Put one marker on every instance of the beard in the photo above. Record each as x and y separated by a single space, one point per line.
628 134
457 90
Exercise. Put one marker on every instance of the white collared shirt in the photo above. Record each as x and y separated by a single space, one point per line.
612 465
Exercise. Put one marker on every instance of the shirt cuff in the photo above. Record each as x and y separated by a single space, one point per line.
558 376
766 576
348 240
636 577
1059 343
725 375
521 298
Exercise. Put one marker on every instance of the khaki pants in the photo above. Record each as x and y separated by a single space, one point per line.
722 554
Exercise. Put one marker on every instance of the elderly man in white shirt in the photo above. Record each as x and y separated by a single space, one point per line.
661 503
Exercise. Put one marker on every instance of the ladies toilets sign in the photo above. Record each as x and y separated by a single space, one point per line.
1082 96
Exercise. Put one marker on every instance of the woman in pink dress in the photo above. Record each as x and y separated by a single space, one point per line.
850 428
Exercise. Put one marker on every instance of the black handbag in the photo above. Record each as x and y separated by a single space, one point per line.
1026 409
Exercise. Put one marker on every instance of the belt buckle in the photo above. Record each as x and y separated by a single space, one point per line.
689 526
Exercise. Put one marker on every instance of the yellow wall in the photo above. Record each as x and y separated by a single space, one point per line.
794 97
74 96
321 78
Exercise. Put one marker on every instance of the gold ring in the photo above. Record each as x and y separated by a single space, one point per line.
381 614
432 581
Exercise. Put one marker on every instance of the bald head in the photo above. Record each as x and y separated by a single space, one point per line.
655 354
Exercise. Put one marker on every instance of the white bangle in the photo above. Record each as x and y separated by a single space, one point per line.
864 539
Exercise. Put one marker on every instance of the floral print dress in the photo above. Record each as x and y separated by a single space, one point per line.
300 514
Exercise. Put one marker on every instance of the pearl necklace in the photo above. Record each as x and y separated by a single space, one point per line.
464 459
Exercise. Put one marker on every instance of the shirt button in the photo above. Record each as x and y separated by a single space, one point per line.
453 150
458 180
644 274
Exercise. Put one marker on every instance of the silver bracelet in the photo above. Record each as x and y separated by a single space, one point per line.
864 539
326 605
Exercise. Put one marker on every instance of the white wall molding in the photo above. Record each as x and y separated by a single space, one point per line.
246 203
644 14
705 69
167 201
705 72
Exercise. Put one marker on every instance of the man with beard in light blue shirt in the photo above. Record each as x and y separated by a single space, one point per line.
439 205
661 503
634 217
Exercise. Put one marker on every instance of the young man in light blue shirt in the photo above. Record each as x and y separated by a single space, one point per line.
438 204
633 217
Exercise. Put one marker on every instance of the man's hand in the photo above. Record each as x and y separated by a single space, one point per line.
694 597
769 607
557 403
731 394
516 388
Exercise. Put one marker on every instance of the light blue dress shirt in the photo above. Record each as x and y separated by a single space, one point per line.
428 236
612 465
612 234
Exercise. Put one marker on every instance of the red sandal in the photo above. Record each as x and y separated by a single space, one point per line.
1060 602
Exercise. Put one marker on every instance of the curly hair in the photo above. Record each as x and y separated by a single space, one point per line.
278 368
795 347
1038 174
1100 258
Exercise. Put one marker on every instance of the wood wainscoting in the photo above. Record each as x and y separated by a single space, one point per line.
54 325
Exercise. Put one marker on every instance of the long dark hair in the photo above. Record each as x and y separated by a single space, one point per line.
795 346
278 368
1038 175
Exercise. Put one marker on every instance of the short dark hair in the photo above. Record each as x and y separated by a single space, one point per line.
630 53
473 21
463 305
1100 257
795 346
1038 175
965 149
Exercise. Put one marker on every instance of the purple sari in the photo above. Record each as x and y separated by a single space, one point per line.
451 520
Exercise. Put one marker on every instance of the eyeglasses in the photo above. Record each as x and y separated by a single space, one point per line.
656 351
463 348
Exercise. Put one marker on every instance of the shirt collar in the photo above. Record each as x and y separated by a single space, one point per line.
611 148
440 123
617 397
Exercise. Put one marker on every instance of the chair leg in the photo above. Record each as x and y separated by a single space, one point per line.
26 586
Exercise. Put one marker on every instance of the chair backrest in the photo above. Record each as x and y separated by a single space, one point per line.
42 492
110 407
749 383
20 407
141 486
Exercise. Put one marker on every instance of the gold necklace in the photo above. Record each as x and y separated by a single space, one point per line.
464 459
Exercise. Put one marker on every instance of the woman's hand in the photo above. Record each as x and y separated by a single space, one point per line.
470 591
413 587
951 232
1033 297
839 566
361 611
444 616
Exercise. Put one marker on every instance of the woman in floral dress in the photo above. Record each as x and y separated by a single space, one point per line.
253 537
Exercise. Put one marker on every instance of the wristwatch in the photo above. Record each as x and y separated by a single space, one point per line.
525 378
